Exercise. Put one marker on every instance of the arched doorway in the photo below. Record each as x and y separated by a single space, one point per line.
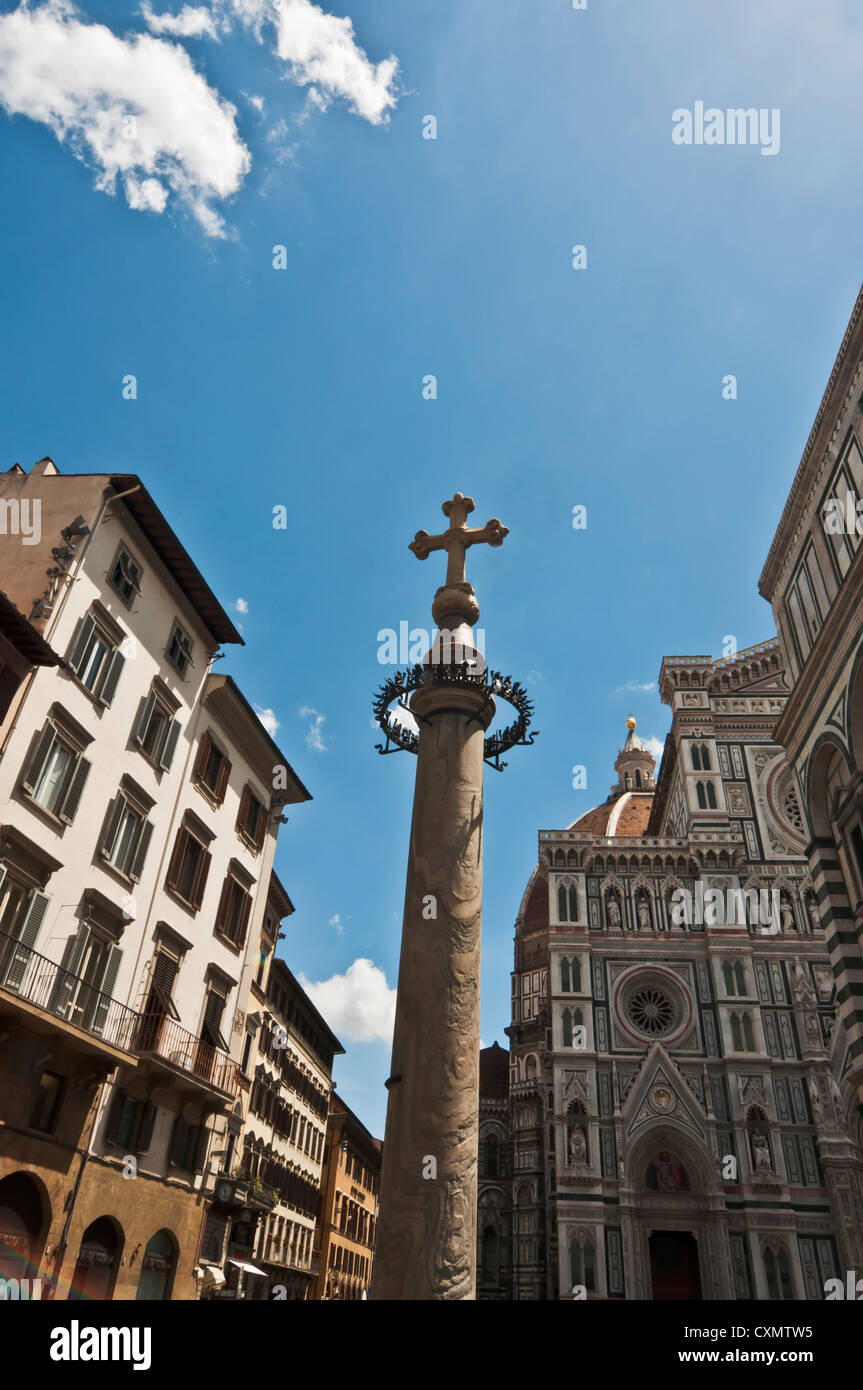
674 1272
23 1225
157 1268
678 1241
97 1263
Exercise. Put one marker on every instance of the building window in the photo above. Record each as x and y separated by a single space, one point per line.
83 992
126 838
567 902
214 1007
650 1010
46 1106
212 769
156 732
129 1123
582 1263
179 649
22 912
125 577
55 775
252 819
777 1268
742 1033
188 869
188 1145
96 659
235 905
564 973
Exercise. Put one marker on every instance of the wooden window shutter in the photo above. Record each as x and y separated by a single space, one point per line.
21 956
201 880
166 756
164 973
224 774
244 918
201 1147
145 1131
67 977
39 757
245 804
106 989
108 688
144 718
112 823
75 790
83 633
177 1140
261 827
224 903
203 756
141 848
115 1116
173 876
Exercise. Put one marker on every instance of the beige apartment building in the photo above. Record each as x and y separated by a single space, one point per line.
141 802
289 1059
349 1206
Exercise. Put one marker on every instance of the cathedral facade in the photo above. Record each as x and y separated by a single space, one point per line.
680 1124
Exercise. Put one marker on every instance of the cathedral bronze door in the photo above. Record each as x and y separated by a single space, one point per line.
674 1265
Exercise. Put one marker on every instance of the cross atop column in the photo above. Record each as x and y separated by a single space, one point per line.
456 540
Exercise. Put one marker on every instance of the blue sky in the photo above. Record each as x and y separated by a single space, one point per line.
406 257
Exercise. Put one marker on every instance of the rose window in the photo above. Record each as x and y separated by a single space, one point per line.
650 1010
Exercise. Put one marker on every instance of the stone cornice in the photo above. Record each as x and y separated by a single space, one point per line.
844 376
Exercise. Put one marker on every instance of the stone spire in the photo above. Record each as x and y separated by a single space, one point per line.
634 764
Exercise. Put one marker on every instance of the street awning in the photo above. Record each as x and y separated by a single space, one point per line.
247 1268
211 1274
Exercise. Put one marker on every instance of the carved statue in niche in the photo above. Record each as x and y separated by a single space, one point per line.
812 911
613 911
761 1152
786 915
577 1145
644 919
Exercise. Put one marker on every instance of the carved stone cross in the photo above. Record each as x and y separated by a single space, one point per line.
456 540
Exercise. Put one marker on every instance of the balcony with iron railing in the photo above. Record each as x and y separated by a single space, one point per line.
33 986
164 1044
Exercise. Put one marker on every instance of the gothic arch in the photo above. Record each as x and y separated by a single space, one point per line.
820 761
855 710
668 1135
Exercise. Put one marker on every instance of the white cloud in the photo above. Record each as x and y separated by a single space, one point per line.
655 747
192 22
404 718
359 1006
268 719
84 83
257 102
336 921
314 736
321 51
241 605
635 687
277 136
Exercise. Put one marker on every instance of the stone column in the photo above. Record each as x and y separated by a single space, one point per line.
426 1236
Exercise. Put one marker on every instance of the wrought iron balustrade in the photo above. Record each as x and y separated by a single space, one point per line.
161 1036
34 978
